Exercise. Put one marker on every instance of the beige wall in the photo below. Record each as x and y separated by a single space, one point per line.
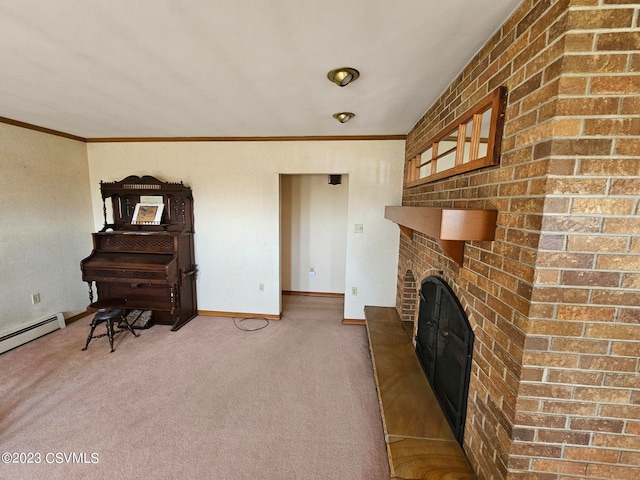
236 189
45 225
51 184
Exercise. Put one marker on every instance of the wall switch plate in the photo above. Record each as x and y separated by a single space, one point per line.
358 228
35 298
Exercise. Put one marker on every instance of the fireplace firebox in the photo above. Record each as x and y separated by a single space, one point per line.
444 345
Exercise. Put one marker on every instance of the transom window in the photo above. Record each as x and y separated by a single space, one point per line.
472 141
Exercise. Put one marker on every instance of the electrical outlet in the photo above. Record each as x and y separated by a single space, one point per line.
35 298
354 291
261 287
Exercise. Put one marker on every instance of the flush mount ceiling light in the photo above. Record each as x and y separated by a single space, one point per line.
344 117
343 76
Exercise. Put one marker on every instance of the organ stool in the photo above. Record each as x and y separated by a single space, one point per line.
107 311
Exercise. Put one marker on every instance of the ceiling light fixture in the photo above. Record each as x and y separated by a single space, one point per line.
343 76
344 117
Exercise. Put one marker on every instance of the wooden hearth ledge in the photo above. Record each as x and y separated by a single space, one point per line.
420 443
451 227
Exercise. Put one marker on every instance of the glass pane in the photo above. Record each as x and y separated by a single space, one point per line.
486 124
452 137
425 171
446 148
484 133
467 154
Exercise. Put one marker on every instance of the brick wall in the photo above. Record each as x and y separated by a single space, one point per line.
554 301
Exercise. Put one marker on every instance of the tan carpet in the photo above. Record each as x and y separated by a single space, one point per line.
295 400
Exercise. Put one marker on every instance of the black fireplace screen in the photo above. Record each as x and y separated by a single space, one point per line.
444 345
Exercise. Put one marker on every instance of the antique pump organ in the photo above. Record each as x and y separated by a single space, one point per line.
146 255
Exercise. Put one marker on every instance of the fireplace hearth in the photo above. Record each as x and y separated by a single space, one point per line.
444 345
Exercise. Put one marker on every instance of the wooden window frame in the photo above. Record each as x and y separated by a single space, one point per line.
456 130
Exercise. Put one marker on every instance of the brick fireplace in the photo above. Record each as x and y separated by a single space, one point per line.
554 300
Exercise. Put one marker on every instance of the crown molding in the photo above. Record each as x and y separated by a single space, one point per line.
247 139
308 138
30 126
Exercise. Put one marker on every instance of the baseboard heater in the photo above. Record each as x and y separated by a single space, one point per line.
37 329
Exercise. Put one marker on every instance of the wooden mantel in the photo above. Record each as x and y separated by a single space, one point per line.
451 227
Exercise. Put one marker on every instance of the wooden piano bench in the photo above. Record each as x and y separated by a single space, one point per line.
106 311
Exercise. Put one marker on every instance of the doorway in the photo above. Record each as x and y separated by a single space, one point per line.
313 234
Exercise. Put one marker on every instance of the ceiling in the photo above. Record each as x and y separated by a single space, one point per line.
233 68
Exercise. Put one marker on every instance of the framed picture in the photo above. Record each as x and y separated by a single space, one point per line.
147 214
